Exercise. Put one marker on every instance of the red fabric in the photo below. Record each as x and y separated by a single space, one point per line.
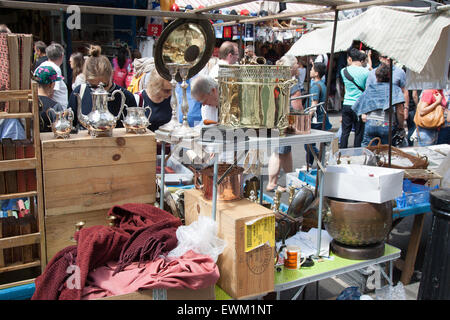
134 216
428 97
148 243
96 246
192 271
49 284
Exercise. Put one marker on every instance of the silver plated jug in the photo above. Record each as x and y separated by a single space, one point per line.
63 123
136 121
100 122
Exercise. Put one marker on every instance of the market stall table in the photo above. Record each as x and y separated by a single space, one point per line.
255 143
289 279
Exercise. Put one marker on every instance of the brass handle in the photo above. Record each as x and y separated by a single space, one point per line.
78 227
112 221
291 193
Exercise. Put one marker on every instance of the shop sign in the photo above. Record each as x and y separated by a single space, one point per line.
154 30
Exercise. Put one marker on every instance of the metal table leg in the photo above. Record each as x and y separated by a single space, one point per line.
319 222
261 189
163 163
214 199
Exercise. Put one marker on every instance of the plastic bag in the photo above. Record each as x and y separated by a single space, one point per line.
201 237
391 292
350 293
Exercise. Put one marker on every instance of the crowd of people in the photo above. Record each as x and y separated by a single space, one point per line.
364 107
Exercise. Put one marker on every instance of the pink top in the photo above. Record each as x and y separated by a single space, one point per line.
428 97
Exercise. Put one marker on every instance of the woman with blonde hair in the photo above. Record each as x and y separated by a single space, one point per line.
157 96
98 69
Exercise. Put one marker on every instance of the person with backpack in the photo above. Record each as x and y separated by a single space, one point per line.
319 90
354 77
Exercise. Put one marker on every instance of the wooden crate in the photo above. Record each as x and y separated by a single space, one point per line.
60 229
87 174
242 274
169 294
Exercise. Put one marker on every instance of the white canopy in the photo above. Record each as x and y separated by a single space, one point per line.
418 41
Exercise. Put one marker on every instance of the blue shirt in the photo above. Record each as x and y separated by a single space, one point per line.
352 92
194 115
398 77
319 91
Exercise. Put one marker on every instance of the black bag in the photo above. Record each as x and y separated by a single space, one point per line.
350 78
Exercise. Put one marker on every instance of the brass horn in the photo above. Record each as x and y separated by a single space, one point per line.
253 60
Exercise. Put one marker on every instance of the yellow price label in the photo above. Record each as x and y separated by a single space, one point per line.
259 232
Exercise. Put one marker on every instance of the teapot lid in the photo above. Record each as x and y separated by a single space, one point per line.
100 90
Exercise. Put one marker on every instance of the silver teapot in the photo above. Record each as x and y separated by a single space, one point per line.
136 121
63 123
100 122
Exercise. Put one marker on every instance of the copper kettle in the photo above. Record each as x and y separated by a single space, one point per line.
229 182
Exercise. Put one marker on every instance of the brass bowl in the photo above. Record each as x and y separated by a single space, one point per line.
358 223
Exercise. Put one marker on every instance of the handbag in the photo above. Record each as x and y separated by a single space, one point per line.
431 120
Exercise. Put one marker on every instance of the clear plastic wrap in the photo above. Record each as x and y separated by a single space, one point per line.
201 237
391 292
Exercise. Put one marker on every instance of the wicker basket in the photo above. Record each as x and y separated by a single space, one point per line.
381 151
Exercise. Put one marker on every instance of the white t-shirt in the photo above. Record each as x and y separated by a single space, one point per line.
60 94
210 113
214 73
80 79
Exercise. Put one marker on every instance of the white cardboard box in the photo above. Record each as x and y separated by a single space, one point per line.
363 183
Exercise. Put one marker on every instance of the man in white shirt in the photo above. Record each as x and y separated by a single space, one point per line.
228 54
55 55
206 91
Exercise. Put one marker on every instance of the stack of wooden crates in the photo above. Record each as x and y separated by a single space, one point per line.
84 177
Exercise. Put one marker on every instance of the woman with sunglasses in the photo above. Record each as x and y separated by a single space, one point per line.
98 69
156 95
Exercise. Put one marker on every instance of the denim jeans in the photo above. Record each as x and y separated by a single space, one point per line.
374 129
427 137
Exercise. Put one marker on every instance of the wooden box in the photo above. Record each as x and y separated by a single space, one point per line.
168 294
88 174
60 229
244 272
